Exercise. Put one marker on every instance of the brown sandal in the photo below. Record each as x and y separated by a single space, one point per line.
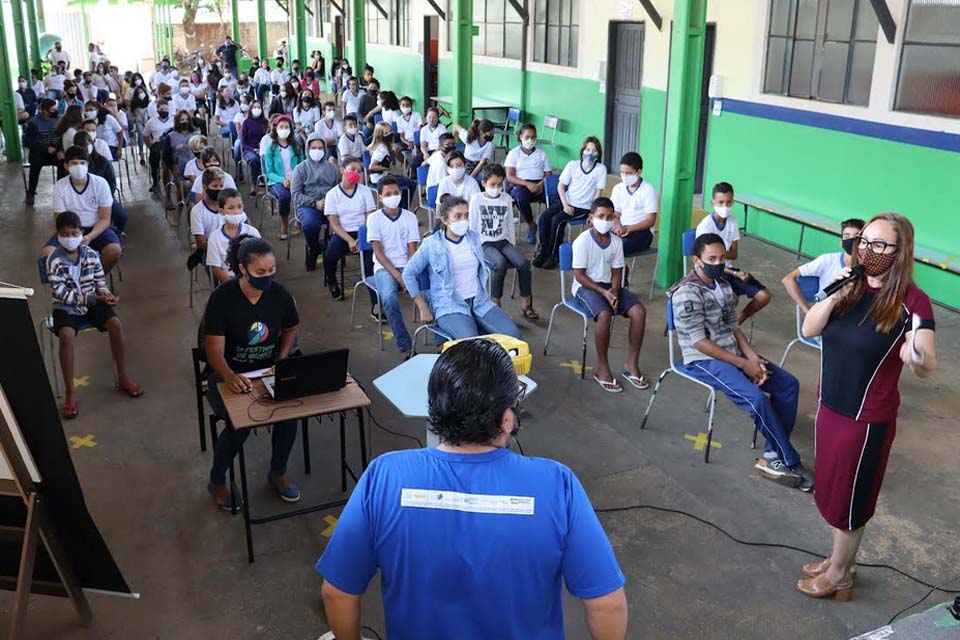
530 314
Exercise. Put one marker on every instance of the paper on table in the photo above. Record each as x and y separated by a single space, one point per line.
259 373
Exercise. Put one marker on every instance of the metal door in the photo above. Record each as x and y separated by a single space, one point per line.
624 81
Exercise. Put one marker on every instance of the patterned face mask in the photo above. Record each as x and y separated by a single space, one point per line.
876 264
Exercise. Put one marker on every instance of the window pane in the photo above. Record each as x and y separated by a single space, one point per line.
776 58
780 17
802 69
574 46
540 11
834 71
553 12
934 21
575 13
495 10
867 24
513 39
479 40
494 39
553 44
479 14
861 73
564 45
807 19
539 45
840 19
930 80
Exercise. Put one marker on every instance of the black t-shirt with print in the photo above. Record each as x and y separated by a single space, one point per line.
251 331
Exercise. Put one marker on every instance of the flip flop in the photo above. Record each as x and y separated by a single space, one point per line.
69 410
610 387
530 314
639 382
132 389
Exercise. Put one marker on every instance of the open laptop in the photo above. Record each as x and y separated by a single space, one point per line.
308 375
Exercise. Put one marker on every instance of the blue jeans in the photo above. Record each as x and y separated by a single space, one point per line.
388 289
774 414
282 194
312 222
460 325
252 158
502 255
118 216
282 439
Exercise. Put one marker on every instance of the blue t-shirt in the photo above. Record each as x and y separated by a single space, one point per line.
470 545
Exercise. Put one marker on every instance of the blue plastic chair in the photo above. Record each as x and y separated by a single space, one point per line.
568 301
809 287
377 118
551 189
434 328
366 280
416 139
508 129
678 368
432 206
396 129
422 172
686 240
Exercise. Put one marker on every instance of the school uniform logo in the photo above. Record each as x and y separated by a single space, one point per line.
258 333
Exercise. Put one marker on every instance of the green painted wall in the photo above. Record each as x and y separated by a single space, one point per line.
838 175
653 110
397 71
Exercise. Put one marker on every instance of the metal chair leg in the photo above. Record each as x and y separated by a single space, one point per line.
653 278
653 397
753 445
583 356
787 351
713 405
546 343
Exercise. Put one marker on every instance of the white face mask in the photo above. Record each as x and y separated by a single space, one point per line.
91 115
23 85
184 90
391 202
602 226
528 143
70 243
459 228
92 135
235 218
256 112
721 211
406 110
351 131
283 134
331 113
493 192
244 108
316 155
137 82
283 93
78 172
89 149
457 173
629 179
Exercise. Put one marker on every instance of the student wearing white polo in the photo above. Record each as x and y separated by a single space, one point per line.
232 224
457 182
526 168
430 132
477 146
346 206
438 161
826 267
350 144
636 204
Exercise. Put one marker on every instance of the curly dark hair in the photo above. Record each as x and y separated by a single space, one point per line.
470 387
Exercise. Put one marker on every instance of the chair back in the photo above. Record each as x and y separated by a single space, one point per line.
416 139
551 124
396 129
513 115
377 118
432 197
551 189
809 287
566 265
461 147
422 172
365 158
687 241
671 330
42 268
364 245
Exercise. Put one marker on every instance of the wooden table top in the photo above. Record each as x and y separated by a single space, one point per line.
245 412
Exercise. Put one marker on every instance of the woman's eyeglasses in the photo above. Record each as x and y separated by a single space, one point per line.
877 246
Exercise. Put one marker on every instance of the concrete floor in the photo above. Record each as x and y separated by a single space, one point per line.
145 481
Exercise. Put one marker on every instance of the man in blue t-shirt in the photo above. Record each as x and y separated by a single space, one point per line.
473 541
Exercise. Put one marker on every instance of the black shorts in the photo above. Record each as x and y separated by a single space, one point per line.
97 315
750 288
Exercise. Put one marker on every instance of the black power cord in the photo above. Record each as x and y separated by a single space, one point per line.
939 587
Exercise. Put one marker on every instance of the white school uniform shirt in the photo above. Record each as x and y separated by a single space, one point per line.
54 82
492 218
334 130
377 156
265 143
227 111
229 84
582 185
85 203
198 91
108 131
408 128
197 188
464 263
66 139
56 57
529 166
204 220
825 267
350 209
192 169
218 242
101 147
394 234
634 206
438 169
262 77
389 115
730 232
474 151
162 78
347 147
352 102
278 76
432 136
87 92
597 260
122 119
183 103
156 127
467 188
307 118
39 89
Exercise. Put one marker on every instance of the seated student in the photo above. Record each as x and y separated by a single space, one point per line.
193 168
176 155
238 121
107 128
330 129
438 161
117 140
232 225
70 122
580 184
284 101
89 197
152 132
210 159
724 225
350 143
205 216
526 168
227 108
388 108
41 138
452 258
253 299
283 156
457 182
311 181
717 352
346 207
430 132
394 234
382 158
408 124
477 145
827 266
636 203
351 97
306 115
252 131
491 217
101 165
78 288
598 273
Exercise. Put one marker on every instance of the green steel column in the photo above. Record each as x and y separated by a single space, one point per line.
156 32
41 17
300 19
85 25
359 36
34 35
235 19
169 31
680 140
8 111
462 110
19 37
262 46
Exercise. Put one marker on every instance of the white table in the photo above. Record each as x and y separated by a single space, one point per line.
405 386
479 104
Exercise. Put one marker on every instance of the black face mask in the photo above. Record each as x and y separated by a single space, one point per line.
213 194
373 92
307 102
53 113
712 271
163 114
72 96
184 126
446 149
848 245
296 69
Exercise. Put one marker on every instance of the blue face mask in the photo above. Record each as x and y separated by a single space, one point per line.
712 271
260 282
590 158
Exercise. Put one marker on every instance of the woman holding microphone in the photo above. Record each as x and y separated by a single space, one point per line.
870 330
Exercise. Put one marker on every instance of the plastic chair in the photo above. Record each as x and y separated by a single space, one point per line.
809 286
366 280
366 158
679 369
422 172
550 124
434 328
686 241
432 206
569 301
656 265
508 129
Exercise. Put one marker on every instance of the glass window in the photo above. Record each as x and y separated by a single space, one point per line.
555 31
929 79
500 29
821 49
394 28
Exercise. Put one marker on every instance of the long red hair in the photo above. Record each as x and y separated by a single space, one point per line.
887 307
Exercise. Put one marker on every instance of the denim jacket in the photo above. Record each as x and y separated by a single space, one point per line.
433 258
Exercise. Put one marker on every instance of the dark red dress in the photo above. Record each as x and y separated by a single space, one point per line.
859 398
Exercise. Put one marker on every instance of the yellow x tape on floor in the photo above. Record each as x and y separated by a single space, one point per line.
700 441
76 442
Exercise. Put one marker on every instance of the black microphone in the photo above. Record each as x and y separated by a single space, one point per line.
855 274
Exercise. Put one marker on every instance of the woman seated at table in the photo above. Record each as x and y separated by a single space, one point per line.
452 259
250 323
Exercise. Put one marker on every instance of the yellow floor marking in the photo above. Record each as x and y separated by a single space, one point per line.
575 366
82 381
77 442
331 525
700 441
387 334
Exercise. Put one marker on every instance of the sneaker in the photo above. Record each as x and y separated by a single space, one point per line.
806 484
290 494
531 236
227 505
311 260
777 471
375 317
336 292
551 264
